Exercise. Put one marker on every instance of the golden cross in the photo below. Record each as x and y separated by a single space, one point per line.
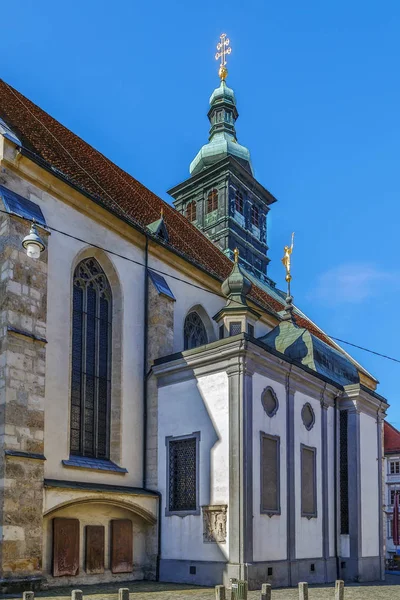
223 50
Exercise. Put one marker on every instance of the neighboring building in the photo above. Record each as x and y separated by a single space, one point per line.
152 426
392 480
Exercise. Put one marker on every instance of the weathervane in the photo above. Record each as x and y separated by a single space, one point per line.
286 262
223 50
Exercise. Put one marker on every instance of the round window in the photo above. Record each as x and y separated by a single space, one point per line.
269 401
307 415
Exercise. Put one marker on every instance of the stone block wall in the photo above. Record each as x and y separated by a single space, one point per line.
23 295
160 343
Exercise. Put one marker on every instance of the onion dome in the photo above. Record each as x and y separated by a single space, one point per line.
237 285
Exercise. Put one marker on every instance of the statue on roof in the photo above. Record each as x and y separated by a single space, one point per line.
286 259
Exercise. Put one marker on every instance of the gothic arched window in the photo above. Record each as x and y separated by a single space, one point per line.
191 211
212 201
91 361
239 202
194 331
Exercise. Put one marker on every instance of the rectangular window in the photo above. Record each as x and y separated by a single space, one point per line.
270 474
250 330
183 474
308 481
392 493
394 467
255 216
221 332
235 328
239 202
344 473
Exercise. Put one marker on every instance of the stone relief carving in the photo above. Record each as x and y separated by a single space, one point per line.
214 523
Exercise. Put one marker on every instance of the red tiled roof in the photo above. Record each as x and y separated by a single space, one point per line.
391 438
95 174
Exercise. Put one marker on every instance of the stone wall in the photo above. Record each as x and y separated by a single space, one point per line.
160 343
23 294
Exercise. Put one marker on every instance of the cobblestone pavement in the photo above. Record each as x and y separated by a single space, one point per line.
390 590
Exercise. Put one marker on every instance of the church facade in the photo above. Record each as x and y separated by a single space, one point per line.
165 413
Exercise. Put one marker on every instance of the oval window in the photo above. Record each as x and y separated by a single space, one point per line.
269 401
307 416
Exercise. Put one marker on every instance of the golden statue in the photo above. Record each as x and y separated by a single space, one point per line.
286 259
223 50
236 255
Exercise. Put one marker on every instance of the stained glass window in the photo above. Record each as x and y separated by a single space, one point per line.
194 331
182 474
91 354
212 201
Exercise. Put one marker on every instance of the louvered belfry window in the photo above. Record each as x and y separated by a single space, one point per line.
91 361
182 475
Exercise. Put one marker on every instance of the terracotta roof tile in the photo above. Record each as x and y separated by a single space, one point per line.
95 174
391 438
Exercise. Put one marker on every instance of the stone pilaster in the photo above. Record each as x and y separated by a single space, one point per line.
23 297
160 342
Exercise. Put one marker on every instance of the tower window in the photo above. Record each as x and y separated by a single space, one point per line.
191 211
255 216
239 202
212 201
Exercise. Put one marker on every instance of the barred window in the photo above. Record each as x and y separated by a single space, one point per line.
270 474
183 474
255 216
91 360
194 331
191 211
308 482
239 207
212 201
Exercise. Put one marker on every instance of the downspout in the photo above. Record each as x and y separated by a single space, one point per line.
145 378
336 471
380 490
145 345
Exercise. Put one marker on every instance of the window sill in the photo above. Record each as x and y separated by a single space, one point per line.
93 464
182 513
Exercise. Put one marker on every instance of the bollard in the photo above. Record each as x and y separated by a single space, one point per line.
266 591
28 596
239 590
123 594
339 590
303 591
76 594
220 592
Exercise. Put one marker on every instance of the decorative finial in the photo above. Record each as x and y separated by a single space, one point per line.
286 262
236 255
223 50
162 212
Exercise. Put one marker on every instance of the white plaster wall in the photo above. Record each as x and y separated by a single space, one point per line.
308 531
269 533
331 478
370 504
186 407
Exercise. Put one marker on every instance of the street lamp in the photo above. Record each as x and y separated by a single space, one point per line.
33 243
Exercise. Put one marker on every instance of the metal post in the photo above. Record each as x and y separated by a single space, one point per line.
220 592
303 591
28 596
123 594
76 594
266 591
339 590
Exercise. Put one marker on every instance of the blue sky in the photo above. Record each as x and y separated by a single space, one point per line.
318 92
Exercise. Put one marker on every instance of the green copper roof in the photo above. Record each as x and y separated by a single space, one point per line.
298 344
222 140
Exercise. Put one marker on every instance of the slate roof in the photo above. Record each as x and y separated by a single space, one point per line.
391 438
69 157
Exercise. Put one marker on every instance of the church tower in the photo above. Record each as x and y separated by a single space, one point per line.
222 197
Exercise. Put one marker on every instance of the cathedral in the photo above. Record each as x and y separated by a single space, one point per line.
166 411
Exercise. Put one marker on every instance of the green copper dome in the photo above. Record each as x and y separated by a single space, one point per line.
222 141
